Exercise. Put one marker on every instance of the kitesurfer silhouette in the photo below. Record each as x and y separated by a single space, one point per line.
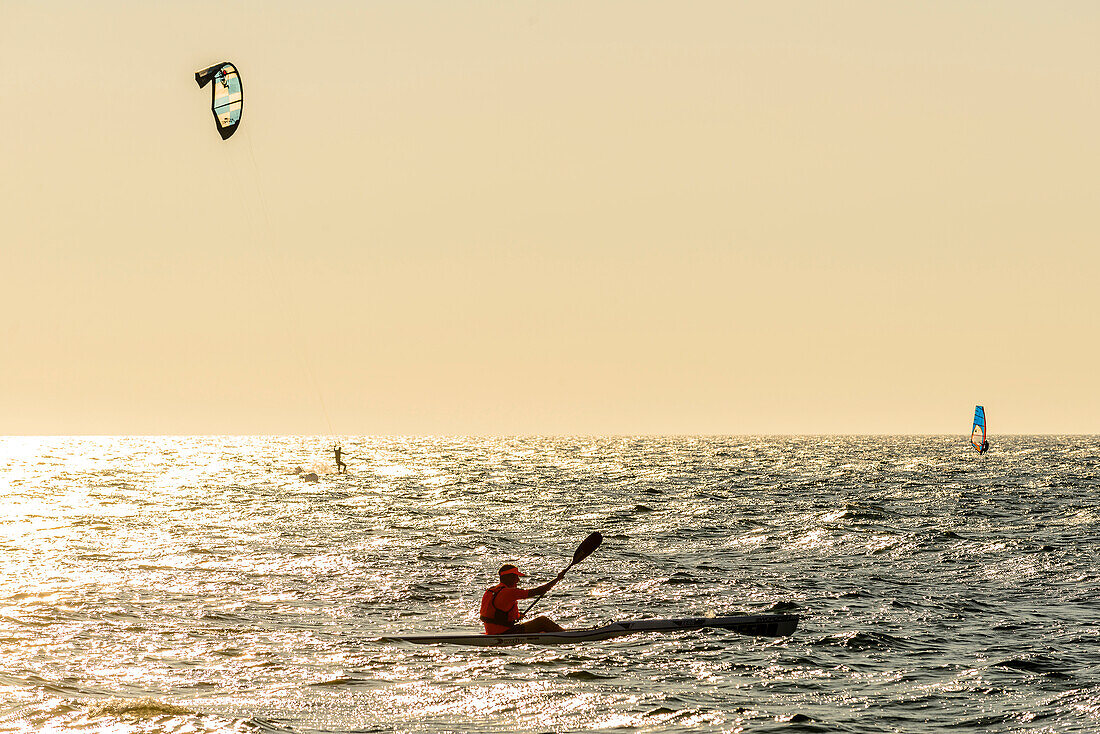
341 467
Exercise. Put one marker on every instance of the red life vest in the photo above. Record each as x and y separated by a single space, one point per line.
493 615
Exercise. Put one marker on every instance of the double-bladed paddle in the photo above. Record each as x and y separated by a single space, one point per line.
584 550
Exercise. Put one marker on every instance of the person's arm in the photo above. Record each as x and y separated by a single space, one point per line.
540 590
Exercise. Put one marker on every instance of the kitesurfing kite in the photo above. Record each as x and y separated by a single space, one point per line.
977 433
226 99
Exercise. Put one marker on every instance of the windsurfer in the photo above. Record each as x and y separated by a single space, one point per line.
500 608
984 448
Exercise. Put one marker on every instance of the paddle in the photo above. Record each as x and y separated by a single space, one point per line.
584 550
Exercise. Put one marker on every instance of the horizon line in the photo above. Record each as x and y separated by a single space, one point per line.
527 435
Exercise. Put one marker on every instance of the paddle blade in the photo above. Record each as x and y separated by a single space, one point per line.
585 549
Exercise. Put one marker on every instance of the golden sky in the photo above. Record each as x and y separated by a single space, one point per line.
551 217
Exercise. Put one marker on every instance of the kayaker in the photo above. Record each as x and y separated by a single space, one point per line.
500 608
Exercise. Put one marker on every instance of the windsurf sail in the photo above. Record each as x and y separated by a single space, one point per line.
977 433
226 98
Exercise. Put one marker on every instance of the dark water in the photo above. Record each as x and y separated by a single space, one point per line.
196 584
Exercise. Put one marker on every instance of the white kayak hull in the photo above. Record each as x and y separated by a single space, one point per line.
765 625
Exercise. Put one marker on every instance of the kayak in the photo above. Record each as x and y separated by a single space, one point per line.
762 625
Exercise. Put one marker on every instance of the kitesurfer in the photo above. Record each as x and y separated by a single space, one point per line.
500 610
341 467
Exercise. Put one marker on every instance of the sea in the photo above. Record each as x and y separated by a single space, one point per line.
240 584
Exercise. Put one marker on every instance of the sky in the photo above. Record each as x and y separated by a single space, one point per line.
568 217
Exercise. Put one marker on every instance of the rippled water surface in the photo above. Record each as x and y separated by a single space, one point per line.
199 584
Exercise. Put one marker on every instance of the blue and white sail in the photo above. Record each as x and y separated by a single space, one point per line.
977 432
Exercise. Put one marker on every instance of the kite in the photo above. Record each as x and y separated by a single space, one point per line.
226 98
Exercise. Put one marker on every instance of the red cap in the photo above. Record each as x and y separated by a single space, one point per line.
508 568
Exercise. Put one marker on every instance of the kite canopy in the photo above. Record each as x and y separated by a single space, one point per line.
226 98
